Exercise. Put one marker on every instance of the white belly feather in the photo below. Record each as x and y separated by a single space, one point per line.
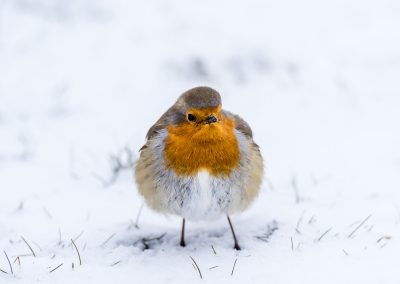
201 203
209 198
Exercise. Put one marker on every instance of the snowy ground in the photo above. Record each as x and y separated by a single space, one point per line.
81 82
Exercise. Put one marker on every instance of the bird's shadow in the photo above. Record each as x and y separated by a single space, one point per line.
152 238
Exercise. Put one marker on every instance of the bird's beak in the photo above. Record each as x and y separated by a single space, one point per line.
210 119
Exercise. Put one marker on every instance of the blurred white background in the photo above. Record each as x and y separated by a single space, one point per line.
82 81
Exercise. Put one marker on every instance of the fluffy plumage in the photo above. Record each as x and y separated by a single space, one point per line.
199 161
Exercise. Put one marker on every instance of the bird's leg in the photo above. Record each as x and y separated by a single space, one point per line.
183 233
237 247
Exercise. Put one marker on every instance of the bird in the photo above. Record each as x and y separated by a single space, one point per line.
199 162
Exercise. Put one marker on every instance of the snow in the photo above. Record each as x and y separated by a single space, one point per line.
82 81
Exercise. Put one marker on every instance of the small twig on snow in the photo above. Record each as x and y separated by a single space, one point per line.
324 234
312 220
54 269
358 227
296 190
138 216
9 262
383 238
33 253
76 248
108 239
198 269
78 236
47 213
299 222
59 237
234 265
19 260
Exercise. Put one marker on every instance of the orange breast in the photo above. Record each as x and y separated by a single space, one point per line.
212 147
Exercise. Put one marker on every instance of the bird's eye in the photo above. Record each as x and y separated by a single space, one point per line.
191 117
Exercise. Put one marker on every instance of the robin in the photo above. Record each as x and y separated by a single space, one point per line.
199 161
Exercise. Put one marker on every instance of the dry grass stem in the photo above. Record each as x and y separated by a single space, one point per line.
198 268
30 248
359 226
324 234
76 248
138 216
233 268
57 267
9 262
108 239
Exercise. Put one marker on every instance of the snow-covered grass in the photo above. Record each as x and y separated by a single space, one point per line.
81 82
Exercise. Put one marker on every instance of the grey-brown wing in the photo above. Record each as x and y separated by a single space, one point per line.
171 116
241 124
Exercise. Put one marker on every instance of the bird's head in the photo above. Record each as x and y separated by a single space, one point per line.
199 107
